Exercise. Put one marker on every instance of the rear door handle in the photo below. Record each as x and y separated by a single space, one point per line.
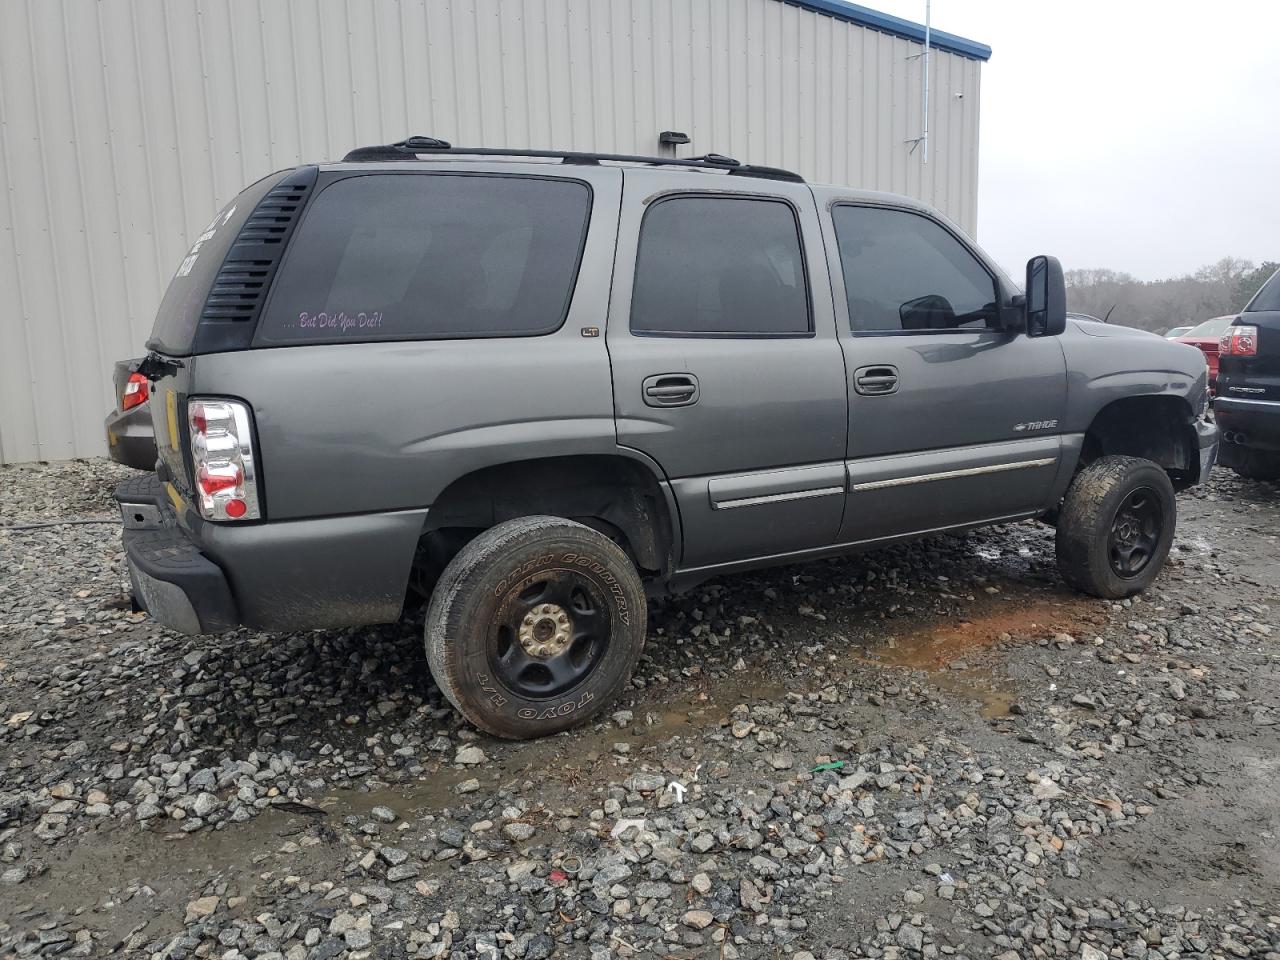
877 381
670 390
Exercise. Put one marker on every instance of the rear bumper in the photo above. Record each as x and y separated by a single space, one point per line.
171 579
131 438
287 575
1252 424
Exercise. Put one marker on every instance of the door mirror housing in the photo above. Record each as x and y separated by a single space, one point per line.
1046 297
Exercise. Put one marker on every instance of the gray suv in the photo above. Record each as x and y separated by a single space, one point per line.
526 389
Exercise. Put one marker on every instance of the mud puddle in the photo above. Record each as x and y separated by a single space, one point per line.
430 794
574 761
119 880
992 696
944 650
1003 622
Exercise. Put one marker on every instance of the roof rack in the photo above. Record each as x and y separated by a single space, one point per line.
411 148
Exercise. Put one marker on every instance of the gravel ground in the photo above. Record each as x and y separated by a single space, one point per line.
929 750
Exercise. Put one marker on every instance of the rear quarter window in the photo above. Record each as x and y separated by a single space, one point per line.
421 256
176 320
1268 298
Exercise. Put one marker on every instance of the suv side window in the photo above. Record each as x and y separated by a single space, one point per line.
720 266
421 256
905 273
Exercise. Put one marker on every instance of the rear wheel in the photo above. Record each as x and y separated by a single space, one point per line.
1116 526
1253 464
535 626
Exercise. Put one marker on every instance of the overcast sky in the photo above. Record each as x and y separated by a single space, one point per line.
1129 134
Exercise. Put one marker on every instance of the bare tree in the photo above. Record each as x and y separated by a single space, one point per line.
1214 290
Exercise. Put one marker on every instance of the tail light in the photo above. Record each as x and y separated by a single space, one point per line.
136 391
1239 342
226 482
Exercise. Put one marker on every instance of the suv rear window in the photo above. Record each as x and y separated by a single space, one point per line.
174 330
418 256
1268 298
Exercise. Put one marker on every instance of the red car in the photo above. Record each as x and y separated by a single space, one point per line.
1205 337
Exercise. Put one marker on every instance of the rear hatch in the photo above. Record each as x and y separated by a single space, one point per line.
168 399
1249 361
214 299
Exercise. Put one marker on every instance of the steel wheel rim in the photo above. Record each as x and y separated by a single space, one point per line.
549 635
1135 533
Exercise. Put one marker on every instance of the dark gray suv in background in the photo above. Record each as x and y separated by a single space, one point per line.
528 388
1248 403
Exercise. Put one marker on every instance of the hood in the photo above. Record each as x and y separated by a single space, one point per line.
1097 329
1128 349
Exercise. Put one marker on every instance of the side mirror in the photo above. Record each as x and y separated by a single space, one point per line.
1046 297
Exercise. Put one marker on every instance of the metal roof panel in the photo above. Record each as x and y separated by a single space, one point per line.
897 26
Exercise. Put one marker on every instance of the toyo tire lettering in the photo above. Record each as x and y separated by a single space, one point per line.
551 713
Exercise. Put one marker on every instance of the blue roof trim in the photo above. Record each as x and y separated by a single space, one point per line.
866 17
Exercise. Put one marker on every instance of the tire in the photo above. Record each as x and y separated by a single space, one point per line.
535 626
1255 465
1116 526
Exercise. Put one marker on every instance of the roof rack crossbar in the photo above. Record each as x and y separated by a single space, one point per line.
413 147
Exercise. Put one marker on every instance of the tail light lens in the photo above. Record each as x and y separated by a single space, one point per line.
226 481
136 391
1239 342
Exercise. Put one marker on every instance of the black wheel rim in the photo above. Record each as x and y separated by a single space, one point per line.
549 635
1135 533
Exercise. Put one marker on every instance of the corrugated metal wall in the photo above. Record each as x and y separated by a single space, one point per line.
125 124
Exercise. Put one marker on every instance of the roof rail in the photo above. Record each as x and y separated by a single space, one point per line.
412 147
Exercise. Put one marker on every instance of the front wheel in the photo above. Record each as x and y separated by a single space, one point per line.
1116 526
535 626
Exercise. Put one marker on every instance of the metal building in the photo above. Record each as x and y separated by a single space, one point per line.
125 124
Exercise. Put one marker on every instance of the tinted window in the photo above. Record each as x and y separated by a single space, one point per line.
904 272
175 325
719 265
428 256
1268 298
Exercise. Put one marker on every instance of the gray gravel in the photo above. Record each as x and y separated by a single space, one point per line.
933 750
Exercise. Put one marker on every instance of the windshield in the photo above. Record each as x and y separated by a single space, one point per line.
1210 328
1268 297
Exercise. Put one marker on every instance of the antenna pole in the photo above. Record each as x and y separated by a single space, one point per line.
925 136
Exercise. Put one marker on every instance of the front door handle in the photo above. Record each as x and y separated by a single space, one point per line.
877 381
670 390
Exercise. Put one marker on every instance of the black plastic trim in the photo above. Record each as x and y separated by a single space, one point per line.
172 580
414 147
235 299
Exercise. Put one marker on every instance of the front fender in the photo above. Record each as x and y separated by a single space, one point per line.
1102 370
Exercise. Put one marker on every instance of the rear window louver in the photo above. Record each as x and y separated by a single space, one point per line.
237 290
235 299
